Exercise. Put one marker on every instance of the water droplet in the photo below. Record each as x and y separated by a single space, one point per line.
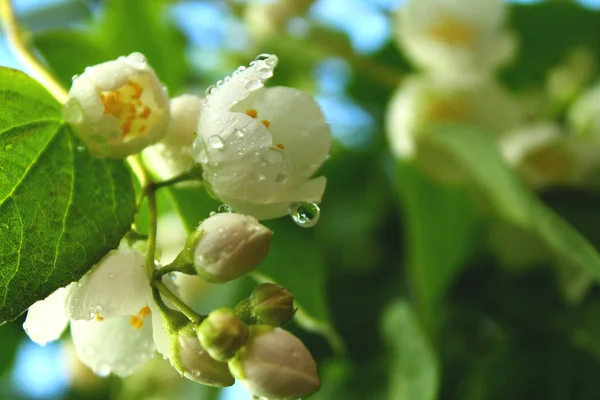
210 90
74 77
219 83
238 133
264 73
212 214
224 208
73 112
102 370
305 214
240 69
137 57
263 57
275 155
253 84
226 79
172 276
215 142
80 148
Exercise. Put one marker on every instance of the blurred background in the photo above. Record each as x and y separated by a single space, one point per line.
418 282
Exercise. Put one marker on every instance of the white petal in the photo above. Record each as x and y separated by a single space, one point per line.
171 156
117 285
113 345
296 122
47 319
159 333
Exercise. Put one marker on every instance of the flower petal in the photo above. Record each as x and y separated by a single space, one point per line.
47 319
112 345
296 124
159 333
116 286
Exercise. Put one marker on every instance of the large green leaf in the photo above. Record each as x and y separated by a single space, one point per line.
413 372
478 154
441 225
293 261
60 209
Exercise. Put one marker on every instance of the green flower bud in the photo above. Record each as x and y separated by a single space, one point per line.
272 304
227 246
222 334
191 360
276 365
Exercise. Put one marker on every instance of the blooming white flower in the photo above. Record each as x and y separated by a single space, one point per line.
421 101
259 147
171 156
119 107
456 40
115 325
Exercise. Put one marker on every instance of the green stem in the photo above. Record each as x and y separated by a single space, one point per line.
185 177
192 315
15 38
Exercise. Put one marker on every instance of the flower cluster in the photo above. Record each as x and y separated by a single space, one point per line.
258 149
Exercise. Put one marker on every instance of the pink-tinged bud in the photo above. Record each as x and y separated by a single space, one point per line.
227 246
276 365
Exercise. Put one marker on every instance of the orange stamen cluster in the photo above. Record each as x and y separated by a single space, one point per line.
127 106
137 321
99 318
254 114
452 31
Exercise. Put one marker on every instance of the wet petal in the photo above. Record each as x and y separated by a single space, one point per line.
47 319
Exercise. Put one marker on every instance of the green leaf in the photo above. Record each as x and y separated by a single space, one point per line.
61 210
145 26
413 372
441 227
478 154
293 261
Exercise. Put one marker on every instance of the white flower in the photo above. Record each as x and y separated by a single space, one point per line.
119 107
171 156
115 325
542 154
420 102
457 40
259 147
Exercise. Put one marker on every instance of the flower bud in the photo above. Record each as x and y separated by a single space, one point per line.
227 246
272 304
119 107
171 156
191 360
275 364
222 334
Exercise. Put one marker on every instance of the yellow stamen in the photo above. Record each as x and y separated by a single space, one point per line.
266 122
453 31
137 321
252 113
99 318
280 145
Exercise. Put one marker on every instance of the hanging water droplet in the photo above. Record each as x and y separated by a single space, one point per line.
172 276
102 370
238 133
210 90
253 84
74 77
305 214
224 208
215 142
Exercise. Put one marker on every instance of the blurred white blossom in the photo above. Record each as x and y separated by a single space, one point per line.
455 40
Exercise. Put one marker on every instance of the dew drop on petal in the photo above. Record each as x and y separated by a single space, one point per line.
238 133
275 155
305 214
240 69
215 142
220 83
74 77
224 208
137 57
210 90
263 57
264 73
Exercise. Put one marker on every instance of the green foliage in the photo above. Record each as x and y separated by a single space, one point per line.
413 371
61 209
